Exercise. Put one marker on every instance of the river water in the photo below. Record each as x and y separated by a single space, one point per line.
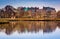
30 30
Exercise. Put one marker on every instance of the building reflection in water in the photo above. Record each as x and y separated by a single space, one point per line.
29 26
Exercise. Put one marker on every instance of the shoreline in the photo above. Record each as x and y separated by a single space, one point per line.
27 19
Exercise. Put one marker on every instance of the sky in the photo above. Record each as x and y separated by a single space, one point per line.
31 3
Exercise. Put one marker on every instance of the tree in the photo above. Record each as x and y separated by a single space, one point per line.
58 14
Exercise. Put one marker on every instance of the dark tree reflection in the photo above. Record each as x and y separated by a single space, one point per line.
29 26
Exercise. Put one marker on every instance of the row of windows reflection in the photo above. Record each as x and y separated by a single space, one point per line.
29 26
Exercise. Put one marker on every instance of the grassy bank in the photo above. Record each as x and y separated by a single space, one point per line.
20 19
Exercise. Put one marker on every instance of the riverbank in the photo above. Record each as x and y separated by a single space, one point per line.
27 19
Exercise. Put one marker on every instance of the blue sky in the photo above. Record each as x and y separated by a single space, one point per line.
31 3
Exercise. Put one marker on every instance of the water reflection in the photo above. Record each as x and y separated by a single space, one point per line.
29 26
